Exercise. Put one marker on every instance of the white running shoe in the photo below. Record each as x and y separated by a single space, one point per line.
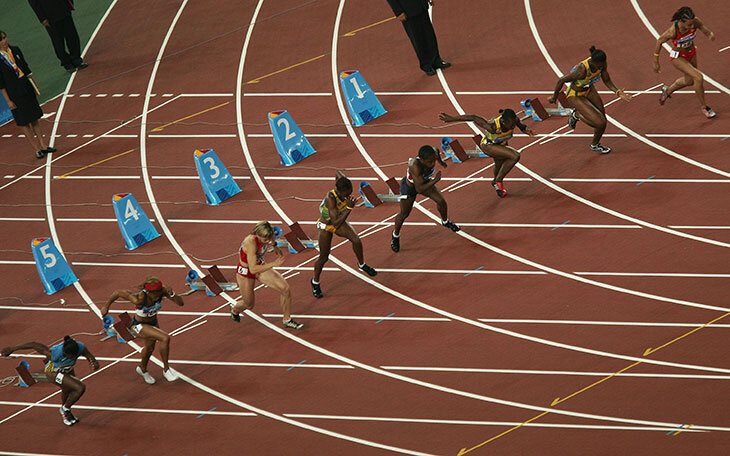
169 375
148 378
600 148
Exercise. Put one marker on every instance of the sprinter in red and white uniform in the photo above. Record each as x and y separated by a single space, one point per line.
683 56
251 266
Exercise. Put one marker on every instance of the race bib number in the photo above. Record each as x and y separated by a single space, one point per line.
321 226
242 270
59 378
673 54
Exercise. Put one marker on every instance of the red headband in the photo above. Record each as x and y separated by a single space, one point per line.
154 286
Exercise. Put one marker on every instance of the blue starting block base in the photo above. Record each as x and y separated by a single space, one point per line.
454 150
532 107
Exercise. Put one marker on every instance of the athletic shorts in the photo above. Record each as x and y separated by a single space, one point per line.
686 55
409 191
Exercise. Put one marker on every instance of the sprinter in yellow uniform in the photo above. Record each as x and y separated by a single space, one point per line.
333 212
498 132
588 104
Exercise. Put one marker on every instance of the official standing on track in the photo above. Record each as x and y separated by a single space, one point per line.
683 56
414 16
60 362
55 15
148 301
582 93
421 180
19 90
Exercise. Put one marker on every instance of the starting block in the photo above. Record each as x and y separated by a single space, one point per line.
372 199
26 378
296 240
214 283
534 108
455 151
120 329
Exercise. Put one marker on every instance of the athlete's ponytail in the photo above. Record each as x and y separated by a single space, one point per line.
684 13
70 347
597 55
508 114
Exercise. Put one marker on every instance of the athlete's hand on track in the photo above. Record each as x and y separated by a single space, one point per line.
277 262
552 99
656 67
446 117
624 96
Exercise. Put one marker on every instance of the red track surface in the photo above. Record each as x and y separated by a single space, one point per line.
492 50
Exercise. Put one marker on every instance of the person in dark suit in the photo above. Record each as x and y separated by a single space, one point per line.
55 15
19 90
414 16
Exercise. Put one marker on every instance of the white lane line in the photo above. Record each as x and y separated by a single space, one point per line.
109 177
135 409
721 50
195 136
188 95
184 328
483 423
666 47
408 93
647 324
655 180
310 135
550 92
15 453
685 135
22 219
287 94
350 418
517 135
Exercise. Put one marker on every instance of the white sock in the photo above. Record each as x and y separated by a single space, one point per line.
361 265
315 282
396 235
63 407
444 222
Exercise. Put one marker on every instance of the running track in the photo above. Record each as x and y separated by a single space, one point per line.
590 261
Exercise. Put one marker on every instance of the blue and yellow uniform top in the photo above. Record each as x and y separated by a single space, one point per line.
59 362
579 87
500 136
324 213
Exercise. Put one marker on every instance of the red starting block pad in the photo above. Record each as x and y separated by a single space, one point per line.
296 240
26 379
213 283
372 199
535 108
122 327
456 151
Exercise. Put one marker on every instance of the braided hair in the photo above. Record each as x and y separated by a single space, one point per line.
70 347
508 114
684 13
597 55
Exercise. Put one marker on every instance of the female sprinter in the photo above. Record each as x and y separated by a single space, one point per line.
420 180
60 361
333 212
251 266
684 55
588 104
148 301
498 132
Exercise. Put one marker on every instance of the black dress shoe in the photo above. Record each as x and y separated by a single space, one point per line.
70 68
49 150
81 65
442 65
430 72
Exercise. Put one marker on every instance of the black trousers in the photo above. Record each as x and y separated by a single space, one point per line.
423 39
64 35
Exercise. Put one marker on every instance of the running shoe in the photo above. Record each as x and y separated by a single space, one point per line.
600 148
572 120
148 378
234 316
663 97
499 187
708 112
40 154
316 290
368 270
451 225
68 418
170 375
394 243
293 324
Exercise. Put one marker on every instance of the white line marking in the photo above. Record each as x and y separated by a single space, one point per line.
670 181
135 409
117 95
685 135
723 49
550 92
194 136
179 331
22 219
85 95
186 95
287 94
311 135
110 177
408 93
121 136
